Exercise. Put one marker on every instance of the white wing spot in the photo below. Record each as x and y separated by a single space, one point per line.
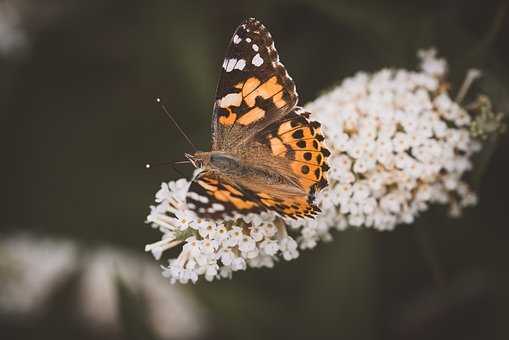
231 64
236 39
248 40
217 206
257 60
225 62
255 47
196 197
240 64
231 99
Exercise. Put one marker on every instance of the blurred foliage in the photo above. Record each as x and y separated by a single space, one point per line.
79 124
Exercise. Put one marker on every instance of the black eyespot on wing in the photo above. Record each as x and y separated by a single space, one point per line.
301 144
319 158
298 134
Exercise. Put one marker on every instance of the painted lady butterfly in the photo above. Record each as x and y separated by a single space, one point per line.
266 153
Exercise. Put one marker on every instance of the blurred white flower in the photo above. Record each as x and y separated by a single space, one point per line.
12 37
399 143
30 269
22 20
33 268
171 313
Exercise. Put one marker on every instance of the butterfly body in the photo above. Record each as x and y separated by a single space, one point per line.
266 154
241 165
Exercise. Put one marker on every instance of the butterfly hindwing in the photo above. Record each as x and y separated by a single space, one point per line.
291 206
254 89
212 196
298 140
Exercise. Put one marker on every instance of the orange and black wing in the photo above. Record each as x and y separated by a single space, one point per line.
212 196
298 140
254 89
295 139
256 104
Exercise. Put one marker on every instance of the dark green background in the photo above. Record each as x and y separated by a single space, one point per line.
79 123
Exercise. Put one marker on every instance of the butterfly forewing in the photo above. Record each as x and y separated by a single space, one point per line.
278 152
254 89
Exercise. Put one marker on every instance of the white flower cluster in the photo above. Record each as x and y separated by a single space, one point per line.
399 143
214 249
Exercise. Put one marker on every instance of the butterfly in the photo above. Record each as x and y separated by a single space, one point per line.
266 153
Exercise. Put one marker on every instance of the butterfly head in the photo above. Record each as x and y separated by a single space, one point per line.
216 161
198 159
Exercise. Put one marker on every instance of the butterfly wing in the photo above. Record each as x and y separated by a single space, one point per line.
293 146
254 89
214 196
255 114
298 141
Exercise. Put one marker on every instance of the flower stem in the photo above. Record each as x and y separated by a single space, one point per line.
471 76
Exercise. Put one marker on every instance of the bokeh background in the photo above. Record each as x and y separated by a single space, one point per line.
77 82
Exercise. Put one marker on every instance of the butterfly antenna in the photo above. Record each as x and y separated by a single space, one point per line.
165 110
151 165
